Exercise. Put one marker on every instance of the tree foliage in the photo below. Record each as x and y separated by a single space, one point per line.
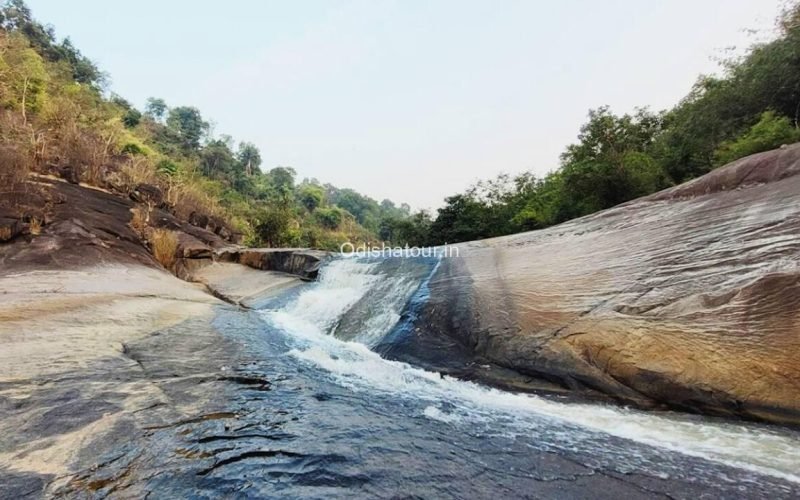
753 106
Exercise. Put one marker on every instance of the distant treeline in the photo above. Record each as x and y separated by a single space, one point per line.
754 106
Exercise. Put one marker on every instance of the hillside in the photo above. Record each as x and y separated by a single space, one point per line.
58 118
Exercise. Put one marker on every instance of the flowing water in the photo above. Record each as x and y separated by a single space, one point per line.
334 326
340 420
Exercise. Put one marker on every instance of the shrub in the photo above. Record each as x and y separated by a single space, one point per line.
165 246
329 218
137 171
167 167
131 149
140 220
131 118
35 226
770 132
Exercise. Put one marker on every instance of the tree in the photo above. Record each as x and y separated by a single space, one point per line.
155 108
188 123
611 162
272 226
16 17
310 196
217 160
463 218
281 180
249 157
26 75
131 118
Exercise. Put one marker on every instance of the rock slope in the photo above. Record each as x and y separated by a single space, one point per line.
689 297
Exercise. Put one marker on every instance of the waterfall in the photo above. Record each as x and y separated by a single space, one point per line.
335 323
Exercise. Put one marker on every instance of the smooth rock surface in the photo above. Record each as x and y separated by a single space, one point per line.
689 297
66 376
242 285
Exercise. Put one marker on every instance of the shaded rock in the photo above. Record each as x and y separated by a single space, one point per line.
86 226
190 247
9 229
149 194
298 261
198 219
68 173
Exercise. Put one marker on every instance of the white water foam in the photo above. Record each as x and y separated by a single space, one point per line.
353 365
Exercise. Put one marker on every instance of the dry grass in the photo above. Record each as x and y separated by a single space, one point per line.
187 197
140 220
35 226
138 171
165 246
86 152
17 154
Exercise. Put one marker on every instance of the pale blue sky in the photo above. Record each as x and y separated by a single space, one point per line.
409 100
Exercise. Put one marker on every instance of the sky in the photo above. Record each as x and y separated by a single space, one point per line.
409 100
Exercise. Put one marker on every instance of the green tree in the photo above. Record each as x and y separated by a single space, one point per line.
249 157
310 196
155 108
16 17
282 181
217 160
26 75
272 226
188 124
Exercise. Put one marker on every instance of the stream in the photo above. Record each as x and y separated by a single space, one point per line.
340 417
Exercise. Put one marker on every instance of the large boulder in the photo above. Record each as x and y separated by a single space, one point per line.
689 297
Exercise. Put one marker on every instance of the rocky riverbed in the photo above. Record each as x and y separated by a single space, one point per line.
257 373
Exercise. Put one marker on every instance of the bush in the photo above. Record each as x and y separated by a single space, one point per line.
131 149
310 196
131 118
273 226
770 132
165 247
167 167
140 220
137 171
329 218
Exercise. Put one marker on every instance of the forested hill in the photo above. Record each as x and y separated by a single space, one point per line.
753 106
57 116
